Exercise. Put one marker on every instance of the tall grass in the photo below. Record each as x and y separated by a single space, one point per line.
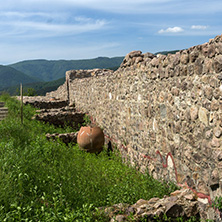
41 180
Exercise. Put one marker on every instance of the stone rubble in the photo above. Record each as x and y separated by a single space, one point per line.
181 203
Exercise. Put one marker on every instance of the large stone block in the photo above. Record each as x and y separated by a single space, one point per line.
217 63
203 115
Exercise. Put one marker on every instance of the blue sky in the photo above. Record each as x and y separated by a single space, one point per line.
71 29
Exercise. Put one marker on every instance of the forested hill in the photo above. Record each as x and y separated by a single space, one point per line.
10 77
49 70
167 52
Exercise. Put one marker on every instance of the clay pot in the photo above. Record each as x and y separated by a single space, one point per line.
52 99
90 139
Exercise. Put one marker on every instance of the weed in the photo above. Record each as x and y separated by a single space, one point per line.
217 203
86 120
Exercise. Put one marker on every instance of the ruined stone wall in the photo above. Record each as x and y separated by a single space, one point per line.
163 112
61 93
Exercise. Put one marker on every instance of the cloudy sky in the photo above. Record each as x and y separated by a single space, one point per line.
80 29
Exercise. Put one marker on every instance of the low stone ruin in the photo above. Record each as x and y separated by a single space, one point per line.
3 111
73 74
54 111
61 117
181 203
48 105
58 113
44 102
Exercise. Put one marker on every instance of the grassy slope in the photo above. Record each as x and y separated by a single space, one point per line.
42 180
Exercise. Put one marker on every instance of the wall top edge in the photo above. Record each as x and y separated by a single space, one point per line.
164 65
208 49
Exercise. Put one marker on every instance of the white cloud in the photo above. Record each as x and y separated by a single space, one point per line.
175 29
119 6
199 27
115 6
147 6
43 25
91 22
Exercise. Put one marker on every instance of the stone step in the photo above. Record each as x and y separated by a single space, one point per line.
3 113
2 117
2 104
3 109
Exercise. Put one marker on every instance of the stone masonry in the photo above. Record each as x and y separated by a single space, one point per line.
163 112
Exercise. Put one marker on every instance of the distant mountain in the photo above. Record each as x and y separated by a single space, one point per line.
10 76
44 76
167 52
37 88
40 88
49 70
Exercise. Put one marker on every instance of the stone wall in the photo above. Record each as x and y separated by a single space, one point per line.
163 112
61 93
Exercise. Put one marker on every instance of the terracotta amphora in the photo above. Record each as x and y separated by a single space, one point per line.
91 139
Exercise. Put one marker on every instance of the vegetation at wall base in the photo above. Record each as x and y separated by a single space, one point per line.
217 203
42 180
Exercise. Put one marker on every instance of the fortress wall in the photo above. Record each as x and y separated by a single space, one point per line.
163 112
61 93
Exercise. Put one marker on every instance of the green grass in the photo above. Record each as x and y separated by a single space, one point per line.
41 180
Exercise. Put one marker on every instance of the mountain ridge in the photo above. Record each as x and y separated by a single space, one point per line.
49 70
44 75
10 76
